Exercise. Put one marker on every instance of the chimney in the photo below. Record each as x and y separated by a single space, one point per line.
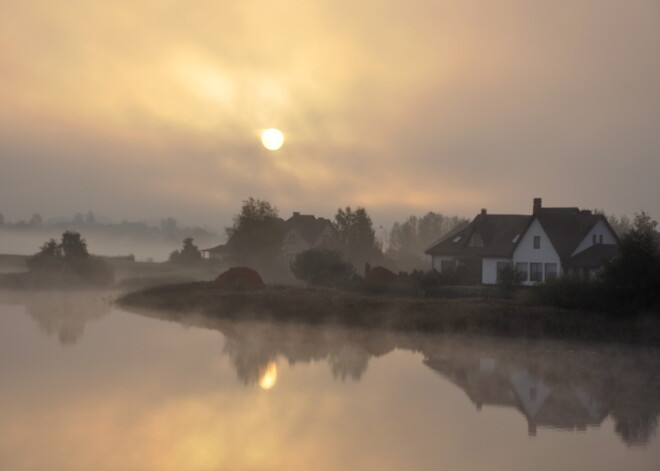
483 211
296 213
537 205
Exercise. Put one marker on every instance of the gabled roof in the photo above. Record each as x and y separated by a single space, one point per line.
219 249
566 227
499 233
307 226
594 256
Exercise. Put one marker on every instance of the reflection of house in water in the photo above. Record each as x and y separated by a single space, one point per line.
555 405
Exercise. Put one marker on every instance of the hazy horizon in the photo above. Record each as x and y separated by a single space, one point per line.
140 112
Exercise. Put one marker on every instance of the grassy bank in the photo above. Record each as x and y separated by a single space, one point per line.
324 306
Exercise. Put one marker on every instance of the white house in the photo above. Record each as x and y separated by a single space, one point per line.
543 245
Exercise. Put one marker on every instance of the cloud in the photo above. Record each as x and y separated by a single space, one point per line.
436 106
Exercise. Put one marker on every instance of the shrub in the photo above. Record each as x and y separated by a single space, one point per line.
380 276
322 267
568 292
240 278
508 278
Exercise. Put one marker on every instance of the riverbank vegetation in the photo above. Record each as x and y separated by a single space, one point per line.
332 306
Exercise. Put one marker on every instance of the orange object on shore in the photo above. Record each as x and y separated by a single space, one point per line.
240 277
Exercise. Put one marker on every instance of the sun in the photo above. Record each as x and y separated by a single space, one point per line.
272 138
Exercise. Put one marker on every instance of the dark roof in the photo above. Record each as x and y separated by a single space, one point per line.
222 248
497 231
565 227
307 226
594 256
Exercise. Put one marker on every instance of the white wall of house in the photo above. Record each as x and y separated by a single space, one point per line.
489 269
599 229
545 254
293 244
326 235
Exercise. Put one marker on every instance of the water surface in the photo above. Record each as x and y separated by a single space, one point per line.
88 386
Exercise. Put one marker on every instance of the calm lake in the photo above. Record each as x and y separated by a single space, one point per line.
87 386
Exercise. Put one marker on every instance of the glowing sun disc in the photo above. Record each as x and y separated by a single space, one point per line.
272 138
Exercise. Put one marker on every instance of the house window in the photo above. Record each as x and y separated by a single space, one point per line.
550 271
593 239
537 242
447 265
536 272
521 267
600 239
502 266
476 240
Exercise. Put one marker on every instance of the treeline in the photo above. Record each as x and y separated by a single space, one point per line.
255 239
168 229
63 264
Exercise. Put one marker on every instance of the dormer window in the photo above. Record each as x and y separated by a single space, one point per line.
515 239
457 238
537 242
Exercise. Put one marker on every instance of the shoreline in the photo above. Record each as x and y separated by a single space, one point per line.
333 307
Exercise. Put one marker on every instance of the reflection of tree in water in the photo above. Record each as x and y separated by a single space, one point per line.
556 385
348 361
65 314
251 347
560 385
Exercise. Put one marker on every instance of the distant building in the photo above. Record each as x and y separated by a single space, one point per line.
299 233
303 232
546 244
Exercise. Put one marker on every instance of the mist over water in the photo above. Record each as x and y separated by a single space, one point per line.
83 379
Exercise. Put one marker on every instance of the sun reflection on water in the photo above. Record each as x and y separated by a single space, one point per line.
269 376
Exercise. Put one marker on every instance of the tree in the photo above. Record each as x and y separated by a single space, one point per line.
90 218
633 278
255 236
36 221
169 227
355 230
73 245
68 263
621 225
409 239
188 255
322 267
48 257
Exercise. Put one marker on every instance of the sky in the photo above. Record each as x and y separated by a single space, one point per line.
139 109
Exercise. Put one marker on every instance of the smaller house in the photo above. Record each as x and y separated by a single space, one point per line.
219 252
299 233
303 232
546 244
